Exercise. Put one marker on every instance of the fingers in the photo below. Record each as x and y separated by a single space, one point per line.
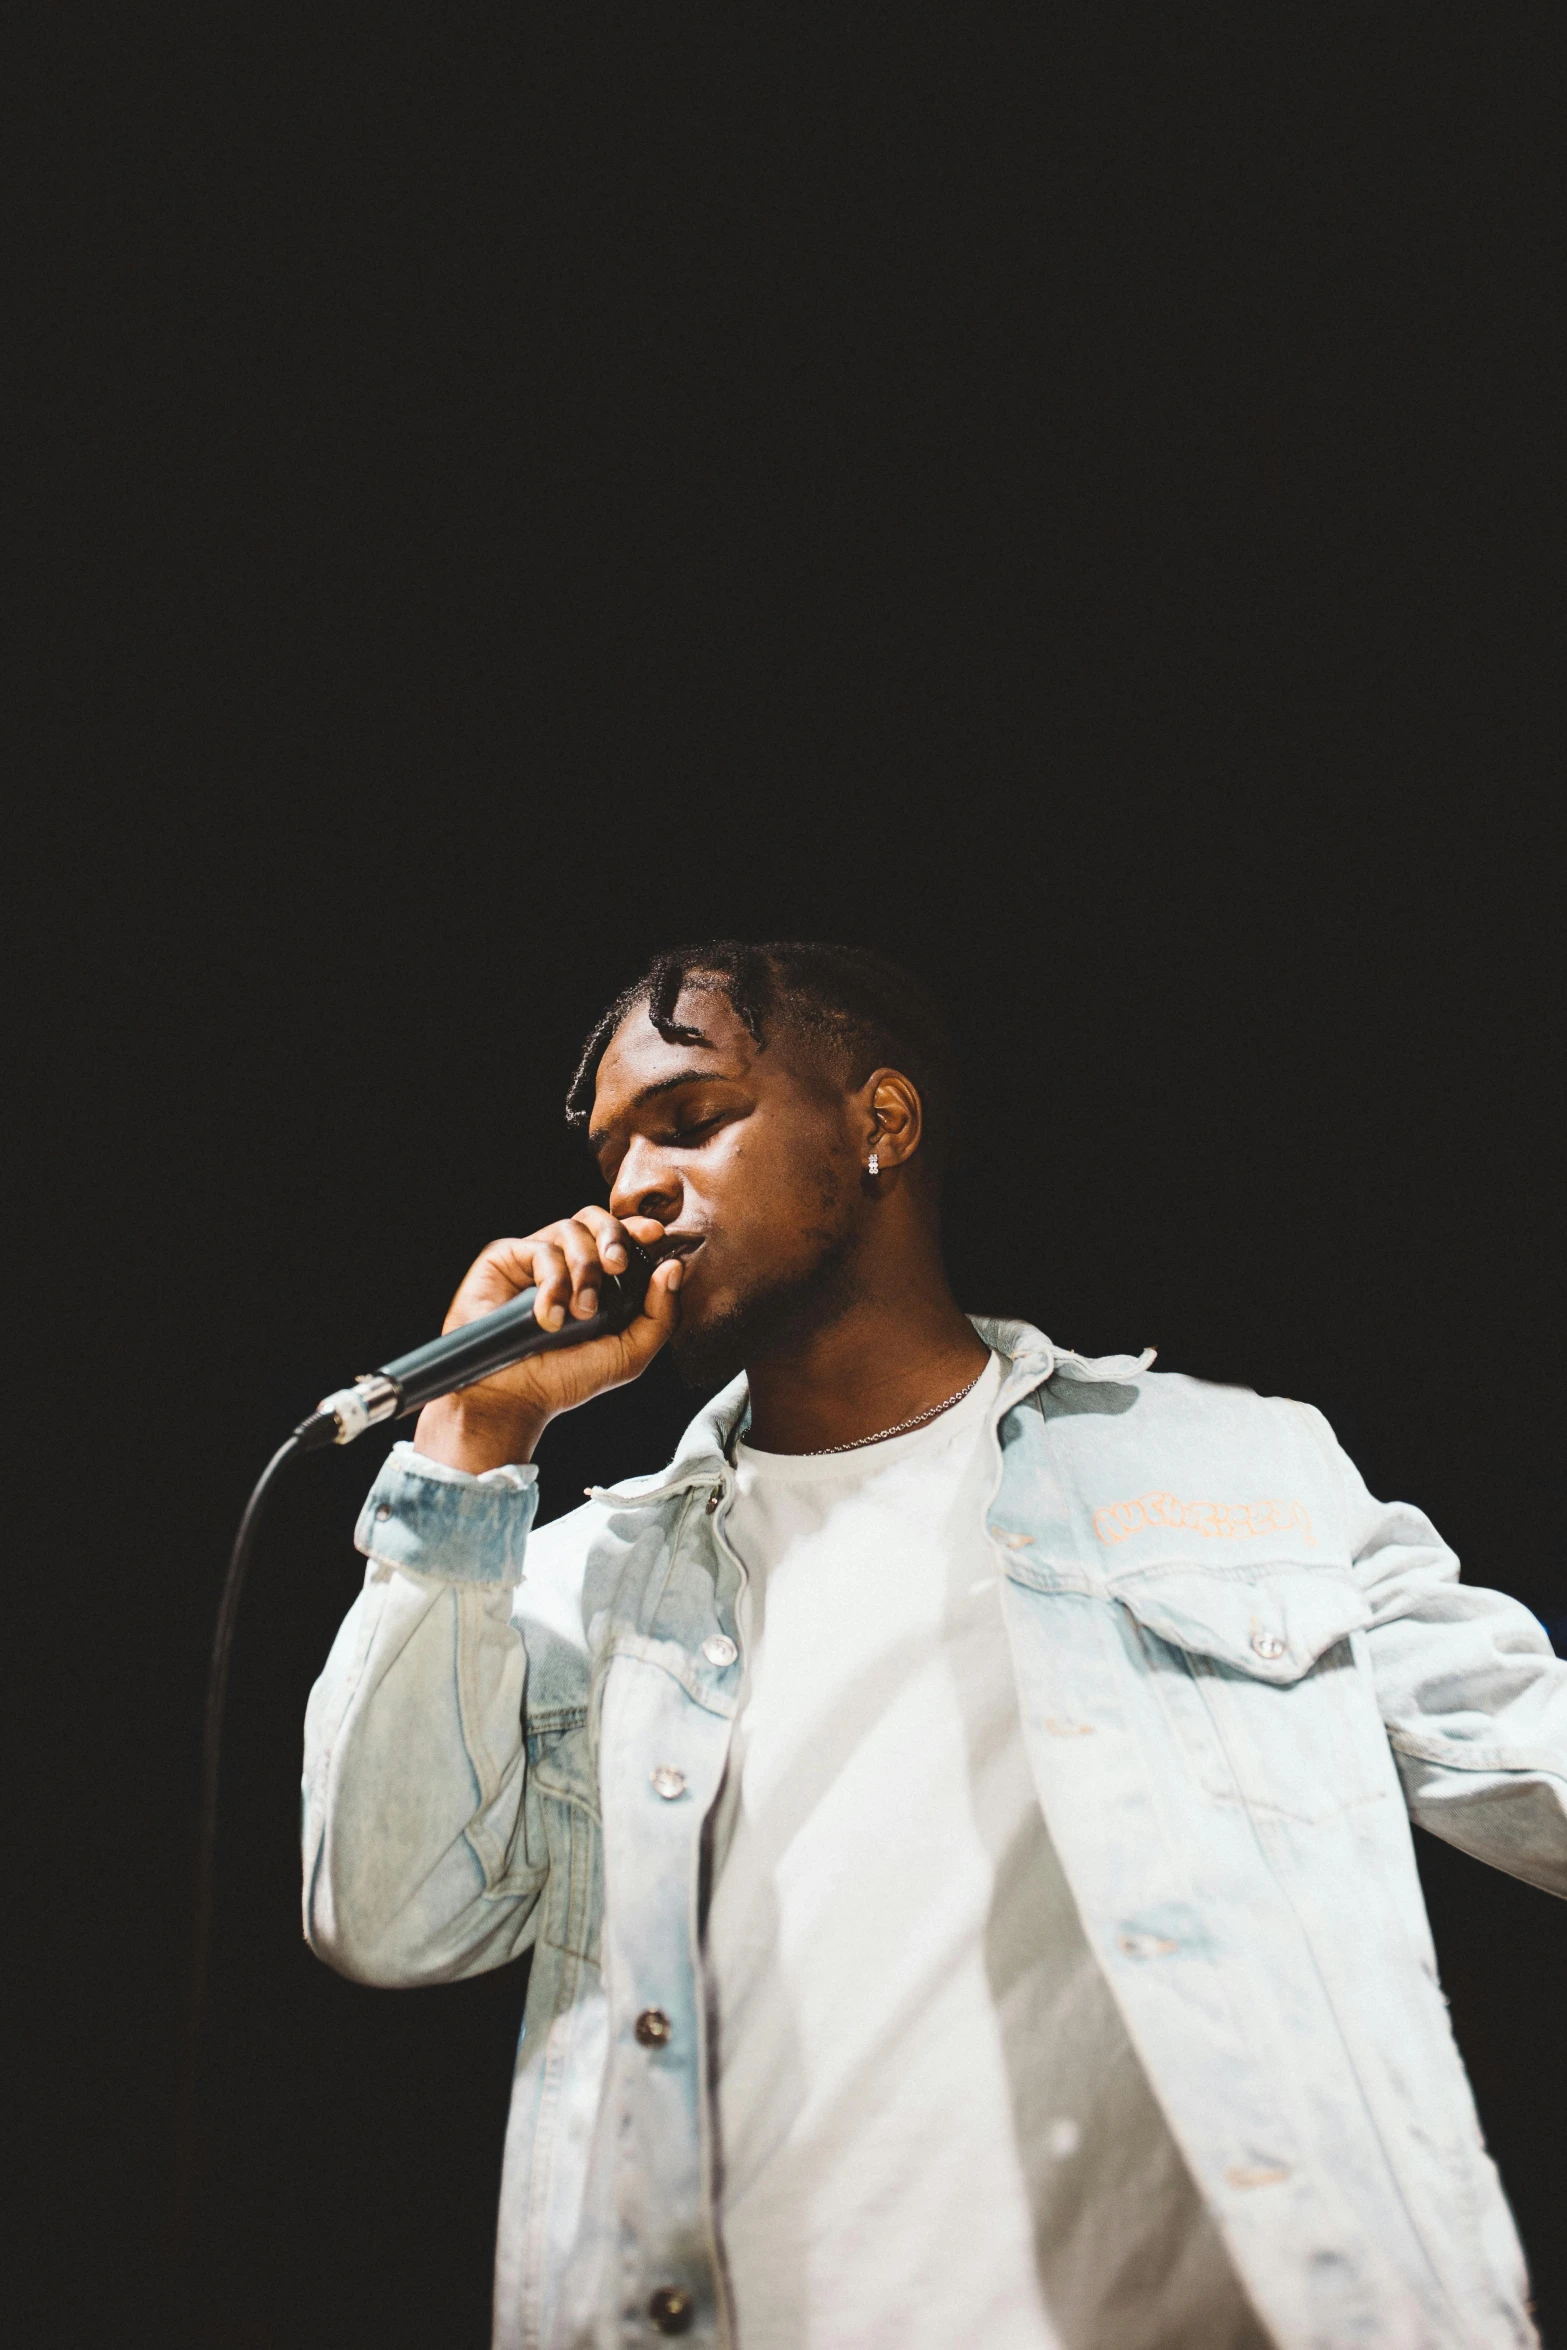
566 1263
611 1233
493 1279
572 1257
500 1419
658 1320
552 1279
579 1248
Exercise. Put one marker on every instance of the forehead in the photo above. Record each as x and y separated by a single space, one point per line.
637 1057
639 1066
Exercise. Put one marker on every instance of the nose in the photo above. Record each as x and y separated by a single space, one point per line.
646 1185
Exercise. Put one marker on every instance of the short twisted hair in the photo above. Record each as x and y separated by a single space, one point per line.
856 1009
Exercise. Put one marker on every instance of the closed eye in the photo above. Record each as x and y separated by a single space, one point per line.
687 1137
682 1100
697 1128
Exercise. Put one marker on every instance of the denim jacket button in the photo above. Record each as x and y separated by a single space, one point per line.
714 1498
384 1511
653 2028
668 1782
1268 1645
720 1649
670 2309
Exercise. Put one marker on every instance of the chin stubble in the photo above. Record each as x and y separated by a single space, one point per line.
781 1315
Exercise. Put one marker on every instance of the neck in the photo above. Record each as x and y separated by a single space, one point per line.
901 1346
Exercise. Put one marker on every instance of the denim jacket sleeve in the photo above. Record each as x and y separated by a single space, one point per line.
417 1860
1472 1694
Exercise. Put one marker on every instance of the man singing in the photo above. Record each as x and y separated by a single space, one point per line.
959 1810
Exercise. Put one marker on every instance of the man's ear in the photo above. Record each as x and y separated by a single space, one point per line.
894 1120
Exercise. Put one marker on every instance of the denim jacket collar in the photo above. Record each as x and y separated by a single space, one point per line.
1028 1359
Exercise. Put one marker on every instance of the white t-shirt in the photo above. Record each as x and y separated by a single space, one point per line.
933 2132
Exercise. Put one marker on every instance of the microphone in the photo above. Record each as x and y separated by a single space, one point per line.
462 1357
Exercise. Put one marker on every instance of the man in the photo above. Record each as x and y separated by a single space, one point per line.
959 1810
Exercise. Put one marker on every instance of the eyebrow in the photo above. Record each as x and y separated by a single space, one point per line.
600 1134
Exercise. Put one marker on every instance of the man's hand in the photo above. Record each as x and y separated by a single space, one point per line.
503 1418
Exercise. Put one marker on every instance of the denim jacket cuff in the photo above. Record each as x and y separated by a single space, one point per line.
428 1519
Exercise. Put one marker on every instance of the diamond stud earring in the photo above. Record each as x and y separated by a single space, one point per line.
873 1164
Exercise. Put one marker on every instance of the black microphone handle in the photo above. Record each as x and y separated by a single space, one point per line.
462 1357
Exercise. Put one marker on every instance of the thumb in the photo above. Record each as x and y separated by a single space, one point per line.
659 1318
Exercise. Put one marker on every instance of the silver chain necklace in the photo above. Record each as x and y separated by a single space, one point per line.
815 1451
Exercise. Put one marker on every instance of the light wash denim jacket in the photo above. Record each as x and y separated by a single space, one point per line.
1238 1677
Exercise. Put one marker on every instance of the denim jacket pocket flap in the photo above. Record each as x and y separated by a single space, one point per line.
1270 1622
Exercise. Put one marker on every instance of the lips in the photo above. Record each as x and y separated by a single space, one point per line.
683 1245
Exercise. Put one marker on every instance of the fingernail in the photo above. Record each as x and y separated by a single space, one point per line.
614 1254
677 1272
588 1302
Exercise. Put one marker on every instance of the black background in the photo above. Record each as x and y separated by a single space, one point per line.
1075 504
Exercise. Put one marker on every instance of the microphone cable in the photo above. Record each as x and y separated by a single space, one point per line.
458 1358
186 2127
